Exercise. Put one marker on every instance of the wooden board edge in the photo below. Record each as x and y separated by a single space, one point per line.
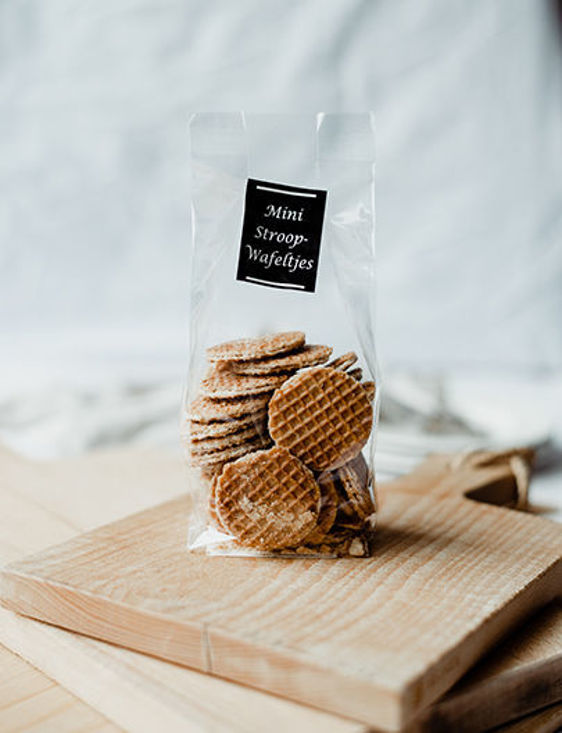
433 683
213 652
205 648
519 693
40 644
85 614
292 676
219 653
118 683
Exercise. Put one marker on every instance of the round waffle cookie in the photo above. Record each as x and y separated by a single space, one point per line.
309 355
229 453
206 410
200 430
322 416
210 445
268 500
344 361
256 348
329 500
224 385
354 483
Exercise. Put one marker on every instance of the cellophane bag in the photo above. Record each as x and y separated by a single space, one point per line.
282 391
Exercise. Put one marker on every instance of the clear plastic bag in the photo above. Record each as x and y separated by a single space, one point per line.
282 391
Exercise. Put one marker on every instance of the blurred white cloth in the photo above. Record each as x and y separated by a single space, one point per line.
419 414
463 414
63 422
94 184
94 191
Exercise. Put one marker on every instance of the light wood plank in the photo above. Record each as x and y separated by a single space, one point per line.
375 639
136 691
31 702
523 673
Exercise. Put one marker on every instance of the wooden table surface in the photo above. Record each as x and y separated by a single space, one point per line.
29 700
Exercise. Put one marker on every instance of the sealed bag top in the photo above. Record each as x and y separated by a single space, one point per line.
282 389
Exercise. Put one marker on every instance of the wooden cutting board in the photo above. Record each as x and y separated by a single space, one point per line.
375 640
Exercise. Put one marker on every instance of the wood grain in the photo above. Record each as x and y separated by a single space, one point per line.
46 502
31 702
524 673
343 635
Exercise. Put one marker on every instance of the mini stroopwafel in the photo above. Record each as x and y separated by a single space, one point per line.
268 500
309 355
206 410
210 445
217 457
354 483
329 500
256 348
344 361
201 430
222 384
322 416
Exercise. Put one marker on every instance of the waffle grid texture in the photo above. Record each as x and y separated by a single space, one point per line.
268 500
322 416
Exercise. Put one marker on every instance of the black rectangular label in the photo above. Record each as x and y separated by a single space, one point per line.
281 235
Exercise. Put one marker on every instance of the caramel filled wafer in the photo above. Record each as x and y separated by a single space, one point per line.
206 410
329 500
221 384
268 499
256 348
199 431
230 453
344 361
210 445
322 416
354 483
309 355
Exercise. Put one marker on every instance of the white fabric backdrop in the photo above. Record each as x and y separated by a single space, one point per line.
94 98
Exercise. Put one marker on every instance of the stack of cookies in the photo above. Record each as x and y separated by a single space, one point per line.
277 432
